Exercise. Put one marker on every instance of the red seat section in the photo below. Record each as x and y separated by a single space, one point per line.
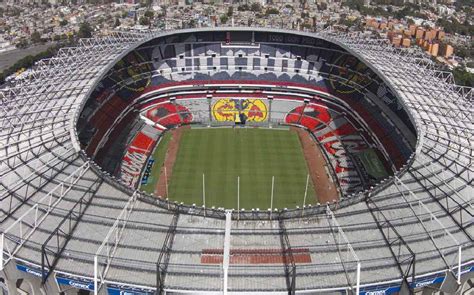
103 119
136 155
169 115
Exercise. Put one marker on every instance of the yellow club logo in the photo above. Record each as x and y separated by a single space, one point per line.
239 110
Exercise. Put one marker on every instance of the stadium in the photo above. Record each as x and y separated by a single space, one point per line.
236 161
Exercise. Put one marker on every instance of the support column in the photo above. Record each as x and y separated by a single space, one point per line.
226 258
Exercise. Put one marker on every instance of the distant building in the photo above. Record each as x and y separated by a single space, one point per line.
448 51
434 48
406 42
420 32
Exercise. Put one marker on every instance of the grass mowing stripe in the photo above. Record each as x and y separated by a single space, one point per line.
253 154
159 157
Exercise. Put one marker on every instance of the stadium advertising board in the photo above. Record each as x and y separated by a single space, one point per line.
420 283
147 172
75 282
32 271
381 290
113 289
467 269
395 288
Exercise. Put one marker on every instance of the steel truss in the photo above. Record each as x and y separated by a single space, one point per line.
379 53
19 232
37 113
164 257
347 255
57 241
430 224
460 206
35 181
401 251
106 251
226 252
288 259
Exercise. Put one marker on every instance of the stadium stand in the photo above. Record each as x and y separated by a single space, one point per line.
118 239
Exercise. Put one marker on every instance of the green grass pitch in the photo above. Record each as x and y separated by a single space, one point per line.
223 154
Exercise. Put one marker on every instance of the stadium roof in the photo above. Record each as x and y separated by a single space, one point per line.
59 207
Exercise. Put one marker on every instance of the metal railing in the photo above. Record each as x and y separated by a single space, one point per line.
106 250
19 231
56 242
347 255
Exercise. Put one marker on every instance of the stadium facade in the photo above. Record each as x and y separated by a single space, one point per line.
72 218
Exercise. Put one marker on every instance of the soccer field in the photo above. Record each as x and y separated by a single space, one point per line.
254 155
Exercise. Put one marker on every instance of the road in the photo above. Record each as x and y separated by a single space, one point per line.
8 58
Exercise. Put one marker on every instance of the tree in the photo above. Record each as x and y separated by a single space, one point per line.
144 21
192 23
149 14
57 38
22 43
85 30
35 37
243 7
453 26
465 51
256 7
63 22
272 10
224 19
28 61
230 11
463 77
306 26
117 22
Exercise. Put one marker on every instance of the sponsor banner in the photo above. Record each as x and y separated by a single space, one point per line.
392 289
75 282
147 172
467 269
380 290
420 283
29 270
113 289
